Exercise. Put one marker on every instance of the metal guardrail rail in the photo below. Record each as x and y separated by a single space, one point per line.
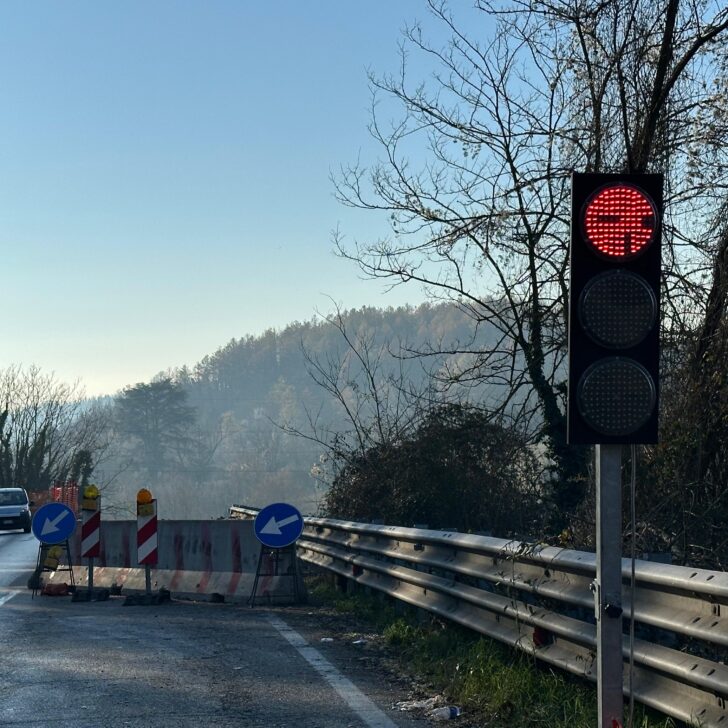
539 599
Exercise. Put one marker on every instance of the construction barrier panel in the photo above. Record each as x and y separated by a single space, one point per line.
147 533
91 534
194 558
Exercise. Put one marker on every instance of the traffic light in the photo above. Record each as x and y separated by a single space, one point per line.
614 308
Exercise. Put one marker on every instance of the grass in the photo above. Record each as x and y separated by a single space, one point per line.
502 687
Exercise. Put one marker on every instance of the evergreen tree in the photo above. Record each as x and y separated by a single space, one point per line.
157 418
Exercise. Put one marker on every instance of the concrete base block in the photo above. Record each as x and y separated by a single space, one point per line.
213 559
233 587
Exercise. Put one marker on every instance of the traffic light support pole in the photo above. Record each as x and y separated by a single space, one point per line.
608 585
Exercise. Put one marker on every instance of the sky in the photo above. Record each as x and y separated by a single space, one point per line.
165 175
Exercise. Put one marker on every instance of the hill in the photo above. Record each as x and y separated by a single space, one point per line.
249 396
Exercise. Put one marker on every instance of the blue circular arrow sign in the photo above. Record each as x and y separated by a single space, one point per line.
53 523
278 525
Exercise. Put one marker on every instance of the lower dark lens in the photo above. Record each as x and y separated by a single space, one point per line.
617 309
616 396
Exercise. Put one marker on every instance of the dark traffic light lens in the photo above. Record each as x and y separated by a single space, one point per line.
617 309
619 221
616 396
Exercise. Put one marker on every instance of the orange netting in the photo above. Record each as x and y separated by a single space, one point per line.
66 491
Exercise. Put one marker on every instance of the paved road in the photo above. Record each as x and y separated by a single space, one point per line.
179 664
18 553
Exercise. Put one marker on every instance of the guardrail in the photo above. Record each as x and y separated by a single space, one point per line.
539 599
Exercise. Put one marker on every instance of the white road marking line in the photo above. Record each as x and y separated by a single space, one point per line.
6 597
351 694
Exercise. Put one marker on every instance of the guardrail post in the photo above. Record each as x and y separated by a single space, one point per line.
608 596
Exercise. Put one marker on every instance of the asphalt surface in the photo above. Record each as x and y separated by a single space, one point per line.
95 664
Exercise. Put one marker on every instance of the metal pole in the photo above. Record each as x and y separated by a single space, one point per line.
90 576
148 578
608 596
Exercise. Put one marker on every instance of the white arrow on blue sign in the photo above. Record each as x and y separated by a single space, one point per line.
53 523
278 525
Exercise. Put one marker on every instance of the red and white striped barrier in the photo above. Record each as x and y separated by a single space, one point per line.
91 534
147 539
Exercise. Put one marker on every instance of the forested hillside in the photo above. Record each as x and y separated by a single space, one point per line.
250 422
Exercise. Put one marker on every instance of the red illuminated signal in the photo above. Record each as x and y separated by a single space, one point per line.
619 221
614 308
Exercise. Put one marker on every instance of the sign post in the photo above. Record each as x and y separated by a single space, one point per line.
277 527
608 585
147 539
53 524
91 530
614 337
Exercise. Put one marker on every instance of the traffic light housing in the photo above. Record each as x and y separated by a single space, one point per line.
614 308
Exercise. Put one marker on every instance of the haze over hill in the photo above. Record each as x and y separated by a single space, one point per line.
231 441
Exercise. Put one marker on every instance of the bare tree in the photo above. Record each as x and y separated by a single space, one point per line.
377 402
46 428
560 85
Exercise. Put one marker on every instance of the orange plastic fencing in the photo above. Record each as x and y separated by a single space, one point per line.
66 491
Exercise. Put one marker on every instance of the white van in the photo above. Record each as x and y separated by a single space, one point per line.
14 509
